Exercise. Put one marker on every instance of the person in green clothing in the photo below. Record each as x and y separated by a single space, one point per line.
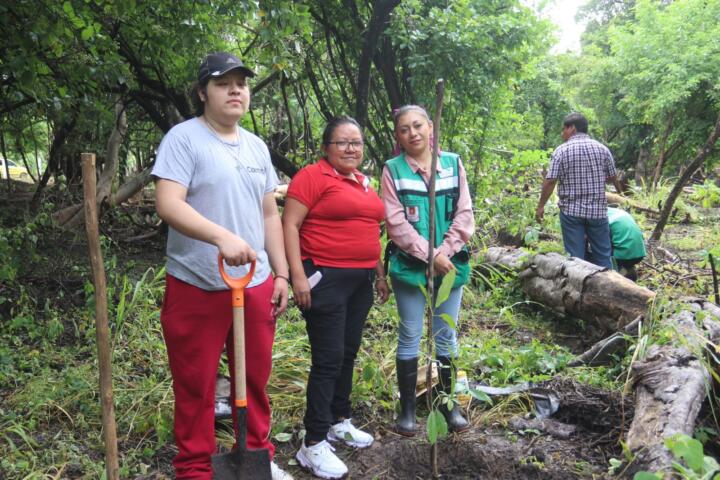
627 242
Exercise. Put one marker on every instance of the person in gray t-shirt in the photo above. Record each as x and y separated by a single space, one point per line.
214 188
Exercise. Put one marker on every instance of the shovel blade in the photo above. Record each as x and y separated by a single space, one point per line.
242 464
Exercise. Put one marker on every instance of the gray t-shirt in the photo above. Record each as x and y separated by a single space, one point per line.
226 183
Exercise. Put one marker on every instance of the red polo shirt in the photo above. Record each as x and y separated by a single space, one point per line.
342 227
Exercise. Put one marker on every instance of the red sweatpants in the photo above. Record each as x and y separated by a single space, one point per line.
197 324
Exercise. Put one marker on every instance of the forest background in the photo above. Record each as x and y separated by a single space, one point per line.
113 77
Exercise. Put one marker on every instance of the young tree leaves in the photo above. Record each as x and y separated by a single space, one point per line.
436 426
445 288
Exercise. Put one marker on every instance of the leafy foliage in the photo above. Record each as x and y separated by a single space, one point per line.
708 194
697 466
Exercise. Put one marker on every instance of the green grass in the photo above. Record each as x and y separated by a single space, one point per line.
51 416
50 413
694 239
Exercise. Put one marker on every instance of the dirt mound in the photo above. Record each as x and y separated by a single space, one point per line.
580 439
477 454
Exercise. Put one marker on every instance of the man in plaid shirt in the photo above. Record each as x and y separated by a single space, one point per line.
582 166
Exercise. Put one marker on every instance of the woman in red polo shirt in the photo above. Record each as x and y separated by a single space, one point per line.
332 239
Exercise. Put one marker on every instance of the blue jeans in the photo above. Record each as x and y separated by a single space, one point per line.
576 230
411 308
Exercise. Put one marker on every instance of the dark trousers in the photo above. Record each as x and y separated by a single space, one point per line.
340 303
629 263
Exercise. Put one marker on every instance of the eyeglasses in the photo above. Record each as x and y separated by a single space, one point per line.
344 144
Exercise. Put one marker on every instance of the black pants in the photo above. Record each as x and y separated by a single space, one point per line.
340 303
629 263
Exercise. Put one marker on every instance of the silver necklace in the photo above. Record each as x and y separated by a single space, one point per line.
234 150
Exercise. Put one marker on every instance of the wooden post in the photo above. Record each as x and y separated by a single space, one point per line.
102 329
439 92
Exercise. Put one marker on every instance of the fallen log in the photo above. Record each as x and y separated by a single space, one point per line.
601 353
671 381
606 300
69 217
629 203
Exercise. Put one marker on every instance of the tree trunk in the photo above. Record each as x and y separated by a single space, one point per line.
700 158
602 352
385 62
21 151
671 383
63 128
479 155
662 152
6 165
641 166
133 185
69 217
378 23
322 105
112 153
606 300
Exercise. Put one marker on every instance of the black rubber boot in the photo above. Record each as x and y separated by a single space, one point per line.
454 418
407 379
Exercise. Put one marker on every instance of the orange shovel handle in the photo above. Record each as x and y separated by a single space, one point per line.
237 285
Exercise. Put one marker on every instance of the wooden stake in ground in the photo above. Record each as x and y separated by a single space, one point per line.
439 92
102 329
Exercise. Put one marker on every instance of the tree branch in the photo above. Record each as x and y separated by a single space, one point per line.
378 22
702 154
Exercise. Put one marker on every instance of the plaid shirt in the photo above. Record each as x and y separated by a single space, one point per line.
582 165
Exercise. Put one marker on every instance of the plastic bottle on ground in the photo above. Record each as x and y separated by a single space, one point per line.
462 388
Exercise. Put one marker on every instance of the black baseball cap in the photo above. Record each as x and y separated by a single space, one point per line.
218 64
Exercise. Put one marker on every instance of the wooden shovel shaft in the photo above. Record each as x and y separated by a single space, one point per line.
239 356
237 291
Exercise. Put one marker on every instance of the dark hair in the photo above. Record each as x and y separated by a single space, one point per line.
198 105
409 108
334 123
577 120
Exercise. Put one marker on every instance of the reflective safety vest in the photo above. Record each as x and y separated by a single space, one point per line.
413 194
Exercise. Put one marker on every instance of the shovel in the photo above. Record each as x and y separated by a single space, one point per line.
240 463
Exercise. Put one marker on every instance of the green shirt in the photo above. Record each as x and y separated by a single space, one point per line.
627 239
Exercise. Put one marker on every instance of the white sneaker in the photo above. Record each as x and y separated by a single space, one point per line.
321 460
346 432
278 473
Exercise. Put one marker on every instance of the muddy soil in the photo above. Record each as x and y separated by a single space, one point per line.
491 453
576 443
585 433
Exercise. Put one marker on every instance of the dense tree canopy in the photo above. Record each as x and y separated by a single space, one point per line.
71 71
66 64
